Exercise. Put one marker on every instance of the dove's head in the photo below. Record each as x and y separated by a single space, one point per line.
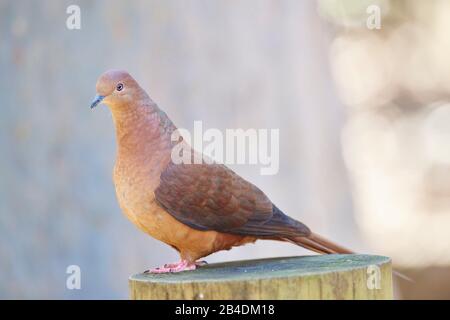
117 89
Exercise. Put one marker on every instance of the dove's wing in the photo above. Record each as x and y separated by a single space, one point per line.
213 197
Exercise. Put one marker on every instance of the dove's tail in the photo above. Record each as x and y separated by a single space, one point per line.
319 244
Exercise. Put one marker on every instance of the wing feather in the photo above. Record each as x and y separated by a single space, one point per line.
213 197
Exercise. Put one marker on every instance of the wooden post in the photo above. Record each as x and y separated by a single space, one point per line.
308 277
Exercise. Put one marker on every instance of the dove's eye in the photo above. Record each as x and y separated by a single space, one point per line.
119 87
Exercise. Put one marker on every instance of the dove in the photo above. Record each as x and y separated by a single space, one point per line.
196 208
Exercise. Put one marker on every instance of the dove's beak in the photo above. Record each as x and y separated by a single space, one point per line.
96 101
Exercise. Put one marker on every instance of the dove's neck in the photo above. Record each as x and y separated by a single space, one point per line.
143 134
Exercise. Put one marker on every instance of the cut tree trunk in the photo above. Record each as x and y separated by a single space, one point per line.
308 277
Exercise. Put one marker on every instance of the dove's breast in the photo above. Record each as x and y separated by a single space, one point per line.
135 194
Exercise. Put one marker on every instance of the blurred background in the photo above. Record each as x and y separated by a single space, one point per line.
363 114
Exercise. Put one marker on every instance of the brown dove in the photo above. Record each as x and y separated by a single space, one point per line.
197 209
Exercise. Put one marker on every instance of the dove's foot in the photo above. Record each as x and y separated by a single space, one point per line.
183 265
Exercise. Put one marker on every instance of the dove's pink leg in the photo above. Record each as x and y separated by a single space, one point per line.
183 265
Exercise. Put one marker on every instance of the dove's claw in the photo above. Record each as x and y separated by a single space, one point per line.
201 263
183 265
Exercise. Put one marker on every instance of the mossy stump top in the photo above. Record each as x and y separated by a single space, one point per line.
354 276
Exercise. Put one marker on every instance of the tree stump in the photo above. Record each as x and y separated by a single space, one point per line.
353 276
